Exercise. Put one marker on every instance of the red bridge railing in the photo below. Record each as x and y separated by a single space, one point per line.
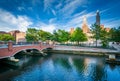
11 48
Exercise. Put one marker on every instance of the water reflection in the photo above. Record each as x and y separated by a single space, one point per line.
60 67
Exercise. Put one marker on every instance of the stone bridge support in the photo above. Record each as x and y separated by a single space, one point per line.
10 46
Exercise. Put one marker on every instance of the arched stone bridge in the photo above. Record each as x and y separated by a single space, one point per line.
11 49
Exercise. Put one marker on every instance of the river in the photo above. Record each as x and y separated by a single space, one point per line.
61 67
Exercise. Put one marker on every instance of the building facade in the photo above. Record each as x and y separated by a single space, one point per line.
86 29
19 36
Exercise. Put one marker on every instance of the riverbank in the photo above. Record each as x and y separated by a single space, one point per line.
84 50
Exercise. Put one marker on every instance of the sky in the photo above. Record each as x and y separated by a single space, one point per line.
50 15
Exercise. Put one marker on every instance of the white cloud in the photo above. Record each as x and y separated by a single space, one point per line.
58 6
53 11
114 22
77 19
21 8
79 14
52 20
46 27
48 7
72 5
47 4
10 22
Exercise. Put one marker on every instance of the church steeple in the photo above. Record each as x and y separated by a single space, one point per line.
84 20
84 25
97 18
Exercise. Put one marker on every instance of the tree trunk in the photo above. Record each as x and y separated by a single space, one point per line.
96 42
78 42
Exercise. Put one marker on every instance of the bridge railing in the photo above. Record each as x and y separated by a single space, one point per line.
4 44
25 43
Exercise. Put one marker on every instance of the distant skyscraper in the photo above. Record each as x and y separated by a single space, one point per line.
97 18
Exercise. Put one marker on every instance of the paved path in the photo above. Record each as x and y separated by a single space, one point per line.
76 48
116 47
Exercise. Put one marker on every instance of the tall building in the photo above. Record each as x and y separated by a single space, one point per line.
106 28
86 29
19 36
85 26
71 30
14 32
97 18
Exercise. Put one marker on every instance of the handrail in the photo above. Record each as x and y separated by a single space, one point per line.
4 44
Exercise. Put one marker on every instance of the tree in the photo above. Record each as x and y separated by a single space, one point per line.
61 36
32 34
43 35
110 34
104 38
96 31
55 36
115 34
78 36
6 37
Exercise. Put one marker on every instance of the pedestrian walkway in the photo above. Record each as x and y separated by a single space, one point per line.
116 47
86 49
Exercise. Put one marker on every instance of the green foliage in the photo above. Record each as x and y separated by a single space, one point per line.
104 38
55 36
78 36
32 34
61 36
43 35
115 34
96 31
6 37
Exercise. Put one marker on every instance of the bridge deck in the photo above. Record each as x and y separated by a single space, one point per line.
5 52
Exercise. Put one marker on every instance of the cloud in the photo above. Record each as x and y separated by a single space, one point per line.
47 4
53 11
21 8
58 6
46 27
77 19
63 7
113 22
72 5
48 7
79 14
52 20
9 22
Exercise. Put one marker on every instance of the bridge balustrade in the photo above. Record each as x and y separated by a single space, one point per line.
12 48
4 44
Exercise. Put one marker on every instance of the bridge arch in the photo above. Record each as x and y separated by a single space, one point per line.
26 50
11 50
48 48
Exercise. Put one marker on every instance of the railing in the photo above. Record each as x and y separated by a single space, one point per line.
4 44
116 46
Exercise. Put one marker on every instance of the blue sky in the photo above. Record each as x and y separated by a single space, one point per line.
50 15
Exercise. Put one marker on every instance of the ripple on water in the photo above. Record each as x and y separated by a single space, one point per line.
60 67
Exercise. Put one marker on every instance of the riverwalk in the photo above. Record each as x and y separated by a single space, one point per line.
77 49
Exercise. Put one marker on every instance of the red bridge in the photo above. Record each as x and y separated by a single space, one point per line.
10 50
